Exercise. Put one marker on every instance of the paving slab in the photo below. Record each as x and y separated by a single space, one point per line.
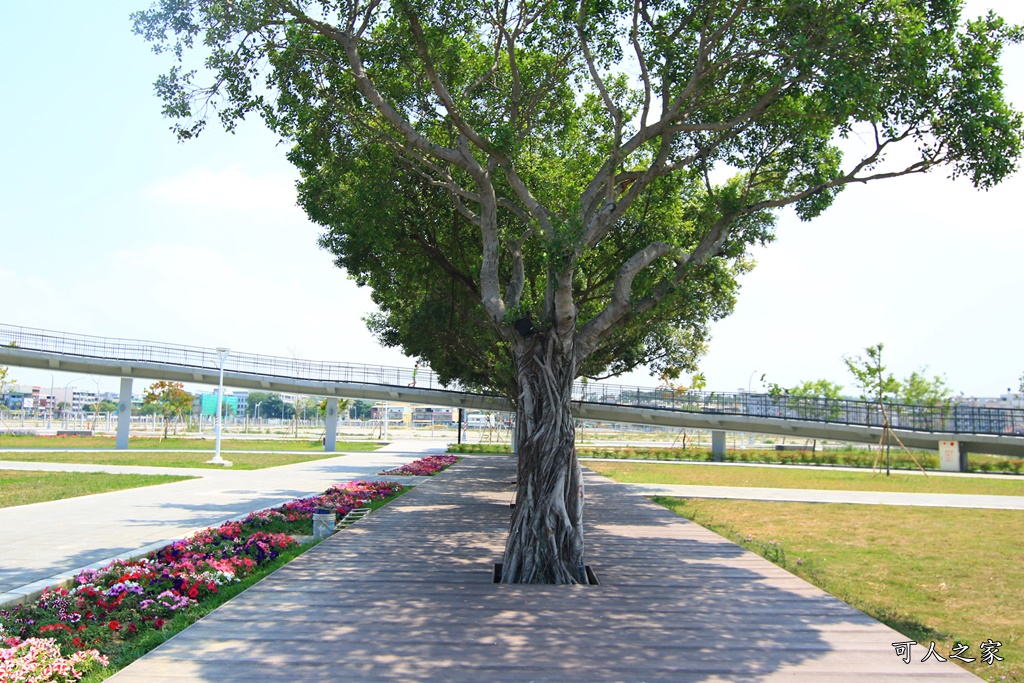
406 594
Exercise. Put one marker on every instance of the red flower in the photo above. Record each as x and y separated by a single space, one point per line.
132 628
114 625
193 592
158 622
77 642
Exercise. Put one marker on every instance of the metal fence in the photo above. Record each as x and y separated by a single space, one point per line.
953 418
87 346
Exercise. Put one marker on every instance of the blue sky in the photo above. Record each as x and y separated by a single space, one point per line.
110 227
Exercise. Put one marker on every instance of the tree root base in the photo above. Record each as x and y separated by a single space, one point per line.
591 576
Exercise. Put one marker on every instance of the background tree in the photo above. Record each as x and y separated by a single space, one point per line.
6 380
343 406
871 377
168 399
5 384
361 410
271 406
819 388
918 389
538 191
824 397
104 406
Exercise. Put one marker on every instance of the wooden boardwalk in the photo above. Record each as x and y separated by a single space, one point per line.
406 594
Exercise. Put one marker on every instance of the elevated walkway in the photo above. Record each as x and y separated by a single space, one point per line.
985 430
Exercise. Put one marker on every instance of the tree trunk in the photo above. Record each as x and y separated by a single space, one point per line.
545 541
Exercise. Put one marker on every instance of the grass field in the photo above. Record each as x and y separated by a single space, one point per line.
798 478
21 487
178 443
934 574
240 461
851 457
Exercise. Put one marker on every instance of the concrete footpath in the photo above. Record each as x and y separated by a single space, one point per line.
950 500
45 543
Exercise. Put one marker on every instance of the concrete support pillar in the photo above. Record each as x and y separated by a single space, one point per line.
331 434
718 445
952 456
124 413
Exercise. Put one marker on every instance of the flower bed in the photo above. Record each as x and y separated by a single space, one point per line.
424 467
109 609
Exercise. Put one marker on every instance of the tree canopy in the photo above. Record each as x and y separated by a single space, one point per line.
543 189
168 399
268 405
493 170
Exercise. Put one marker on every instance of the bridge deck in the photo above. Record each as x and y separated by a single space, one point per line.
406 594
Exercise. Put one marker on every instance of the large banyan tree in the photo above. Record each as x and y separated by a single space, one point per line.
537 191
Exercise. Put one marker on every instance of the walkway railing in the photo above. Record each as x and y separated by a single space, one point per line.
132 350
952 418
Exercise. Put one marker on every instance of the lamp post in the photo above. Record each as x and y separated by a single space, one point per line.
70 404
49 401
96 406
222 355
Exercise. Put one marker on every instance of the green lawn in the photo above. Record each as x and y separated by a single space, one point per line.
935 574
240 461
179 443
21 487
796 478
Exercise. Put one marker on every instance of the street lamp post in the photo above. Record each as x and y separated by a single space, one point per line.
68 404
96 406
751 379
222 355
49 401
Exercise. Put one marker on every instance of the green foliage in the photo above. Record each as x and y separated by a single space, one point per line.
321 407
362 409
105 406
268 405
496 176
870 375
820 388
919 389
168 399
6 381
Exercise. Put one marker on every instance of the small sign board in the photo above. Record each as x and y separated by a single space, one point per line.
949 456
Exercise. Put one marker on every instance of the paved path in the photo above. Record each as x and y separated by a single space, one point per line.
952 500
45 543
406 594
819 468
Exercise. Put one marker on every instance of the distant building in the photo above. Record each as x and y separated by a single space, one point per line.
206 404
401 414
423 416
